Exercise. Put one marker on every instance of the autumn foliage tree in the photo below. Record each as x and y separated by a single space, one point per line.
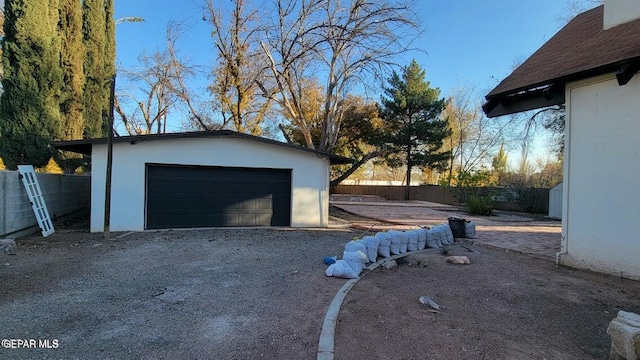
345 41
239 67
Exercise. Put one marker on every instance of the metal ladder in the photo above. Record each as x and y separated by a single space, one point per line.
30 182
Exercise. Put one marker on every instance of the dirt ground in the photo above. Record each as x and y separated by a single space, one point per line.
502 306
197 294
262 293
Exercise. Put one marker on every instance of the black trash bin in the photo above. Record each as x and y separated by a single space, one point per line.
457 227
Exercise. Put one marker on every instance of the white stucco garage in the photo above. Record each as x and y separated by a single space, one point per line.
202 179
592 67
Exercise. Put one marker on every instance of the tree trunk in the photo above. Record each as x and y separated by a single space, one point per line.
356 166
407 191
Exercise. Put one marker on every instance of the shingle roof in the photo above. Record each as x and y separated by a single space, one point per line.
579 50
85 146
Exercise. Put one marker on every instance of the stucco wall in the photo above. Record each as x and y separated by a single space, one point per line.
601 205
310 176
618 12
63 194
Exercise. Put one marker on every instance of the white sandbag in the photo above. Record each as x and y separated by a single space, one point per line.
439 235
422 238
431 239
341 269
385 243
372 244
470 230
356 245
404 242
443 234
355 259
413 240
395 242
448 234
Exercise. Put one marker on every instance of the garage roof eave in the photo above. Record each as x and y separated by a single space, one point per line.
85 146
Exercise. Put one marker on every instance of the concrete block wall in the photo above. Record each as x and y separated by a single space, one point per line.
63 194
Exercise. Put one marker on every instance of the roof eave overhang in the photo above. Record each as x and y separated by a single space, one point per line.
85 146
552 92
545 96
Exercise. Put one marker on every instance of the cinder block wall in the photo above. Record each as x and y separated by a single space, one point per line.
63 194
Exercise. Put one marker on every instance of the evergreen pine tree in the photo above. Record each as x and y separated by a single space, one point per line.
30 103
415 132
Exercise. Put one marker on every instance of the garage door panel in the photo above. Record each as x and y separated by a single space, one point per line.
180 196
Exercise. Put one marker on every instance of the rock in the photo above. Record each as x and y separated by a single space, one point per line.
463 260
389 264
7 246
625 336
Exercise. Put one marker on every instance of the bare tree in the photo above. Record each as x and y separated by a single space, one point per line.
575 7
474 137
153 77
160 80
239 67
344 42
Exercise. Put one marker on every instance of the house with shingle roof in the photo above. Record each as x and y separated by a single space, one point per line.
591 66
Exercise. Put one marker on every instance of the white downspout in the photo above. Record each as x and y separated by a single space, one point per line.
564 242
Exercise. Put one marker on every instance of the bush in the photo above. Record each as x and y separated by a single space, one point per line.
480 205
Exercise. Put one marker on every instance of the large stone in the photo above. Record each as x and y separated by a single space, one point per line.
625 336
7 246
462 260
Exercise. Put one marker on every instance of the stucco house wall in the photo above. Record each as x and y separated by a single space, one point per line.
310 175
601 204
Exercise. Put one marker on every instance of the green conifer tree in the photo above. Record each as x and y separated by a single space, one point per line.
72 59
414 129
97 86
32 82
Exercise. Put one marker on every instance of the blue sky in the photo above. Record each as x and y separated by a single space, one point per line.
467 42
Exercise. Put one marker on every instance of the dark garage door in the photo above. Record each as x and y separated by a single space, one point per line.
190 196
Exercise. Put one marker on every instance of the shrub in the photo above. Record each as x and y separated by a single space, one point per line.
480 205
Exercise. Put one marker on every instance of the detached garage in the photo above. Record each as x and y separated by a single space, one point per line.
207 179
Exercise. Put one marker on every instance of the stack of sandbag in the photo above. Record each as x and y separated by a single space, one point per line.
359 252
353 260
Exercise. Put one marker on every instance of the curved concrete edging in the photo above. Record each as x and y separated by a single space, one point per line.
327 335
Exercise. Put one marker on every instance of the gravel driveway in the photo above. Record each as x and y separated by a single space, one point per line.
208 294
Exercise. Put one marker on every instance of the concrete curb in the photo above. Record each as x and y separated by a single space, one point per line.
327 335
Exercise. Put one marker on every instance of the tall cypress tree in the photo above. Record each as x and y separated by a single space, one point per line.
30 103
109 57
72 59
96 87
